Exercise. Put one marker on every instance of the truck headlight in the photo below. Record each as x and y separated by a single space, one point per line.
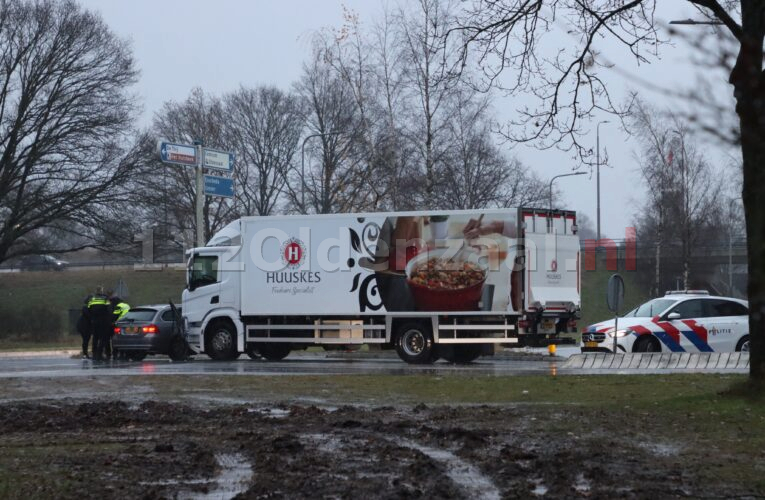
619 333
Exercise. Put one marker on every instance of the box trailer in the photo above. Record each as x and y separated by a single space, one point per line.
431 284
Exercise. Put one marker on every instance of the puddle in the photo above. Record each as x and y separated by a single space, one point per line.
661 449
270 412
473 483
324 442
234 478
540 489
582 485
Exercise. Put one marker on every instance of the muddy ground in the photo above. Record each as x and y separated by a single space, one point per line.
152 449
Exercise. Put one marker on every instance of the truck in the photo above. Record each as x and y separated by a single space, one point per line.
453 284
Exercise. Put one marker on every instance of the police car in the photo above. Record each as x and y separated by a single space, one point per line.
688 321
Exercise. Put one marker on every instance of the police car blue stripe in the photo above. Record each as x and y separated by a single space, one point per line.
668 341
696 341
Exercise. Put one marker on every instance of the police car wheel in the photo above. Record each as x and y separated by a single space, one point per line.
647 343
743 344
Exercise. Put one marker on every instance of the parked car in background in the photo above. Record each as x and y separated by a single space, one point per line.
148 330
42 263
689 321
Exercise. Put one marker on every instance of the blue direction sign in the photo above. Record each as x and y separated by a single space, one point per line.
221 160
219 186
180 154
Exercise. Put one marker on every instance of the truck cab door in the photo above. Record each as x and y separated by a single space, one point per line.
203 288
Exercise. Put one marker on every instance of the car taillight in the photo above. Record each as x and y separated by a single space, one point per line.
117 330
149 329
572 325
524 324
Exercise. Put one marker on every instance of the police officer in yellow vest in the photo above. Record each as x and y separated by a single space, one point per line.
119 309
100 314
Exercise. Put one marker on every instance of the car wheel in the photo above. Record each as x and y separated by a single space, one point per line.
136 355
461 354
178 350
647 343
743 344
220 341
414 344
274 351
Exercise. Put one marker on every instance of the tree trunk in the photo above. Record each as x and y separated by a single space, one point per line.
747 80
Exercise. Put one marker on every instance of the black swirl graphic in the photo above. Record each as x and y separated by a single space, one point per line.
369 293
366 246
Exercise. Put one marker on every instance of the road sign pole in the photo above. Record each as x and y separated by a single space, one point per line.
200 194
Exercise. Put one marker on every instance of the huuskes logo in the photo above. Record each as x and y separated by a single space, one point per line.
293 253
554 266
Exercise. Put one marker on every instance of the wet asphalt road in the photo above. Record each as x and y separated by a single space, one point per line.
296 364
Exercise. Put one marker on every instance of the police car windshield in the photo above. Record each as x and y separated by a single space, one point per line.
651 308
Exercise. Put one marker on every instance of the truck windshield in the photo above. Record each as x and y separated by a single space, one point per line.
650 308
203 270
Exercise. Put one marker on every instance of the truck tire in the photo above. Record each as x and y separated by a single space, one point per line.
414 344
461 354
220 341
252 352
274 351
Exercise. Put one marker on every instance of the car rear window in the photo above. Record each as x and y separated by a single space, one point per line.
139 315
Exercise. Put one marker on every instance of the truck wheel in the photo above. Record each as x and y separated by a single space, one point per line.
461 354
414 344
252 352
647 343
220 341
274 351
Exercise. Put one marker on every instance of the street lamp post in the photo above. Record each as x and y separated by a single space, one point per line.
551 186
597 174
302 164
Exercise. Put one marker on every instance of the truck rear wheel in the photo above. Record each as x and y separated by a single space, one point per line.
414 344
461 354
274 351
220 341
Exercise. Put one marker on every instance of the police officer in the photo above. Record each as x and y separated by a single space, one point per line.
119 309
84 328
100 313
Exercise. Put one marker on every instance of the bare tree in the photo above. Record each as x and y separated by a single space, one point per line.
340 181
428 56
65 120
685 201
264 127
510 34
475 171
169 190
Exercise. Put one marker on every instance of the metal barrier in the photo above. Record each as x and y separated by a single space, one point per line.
661 361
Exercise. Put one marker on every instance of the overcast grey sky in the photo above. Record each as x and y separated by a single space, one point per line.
219 45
